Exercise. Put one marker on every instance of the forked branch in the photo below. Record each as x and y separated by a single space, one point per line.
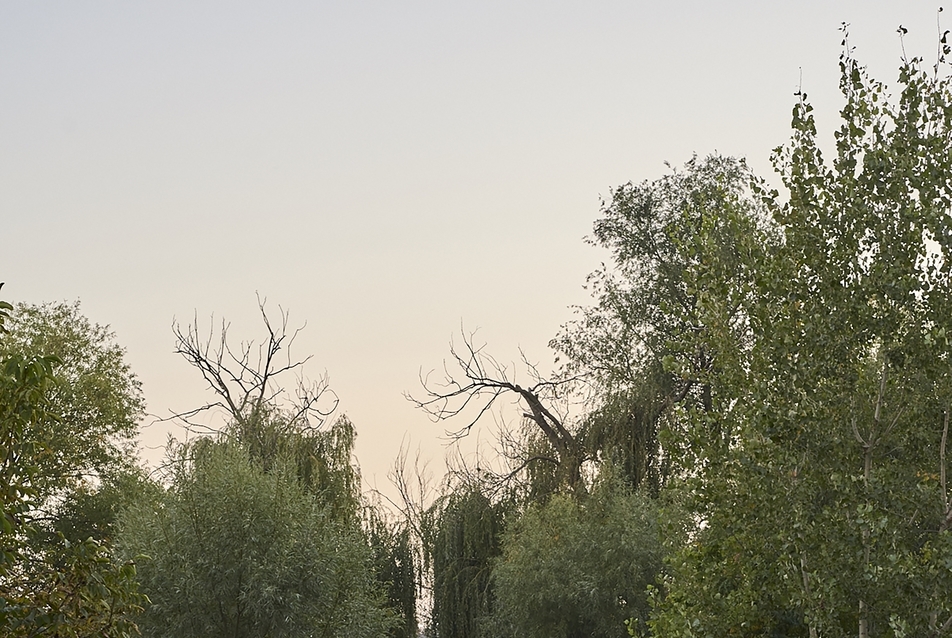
247 379
473 381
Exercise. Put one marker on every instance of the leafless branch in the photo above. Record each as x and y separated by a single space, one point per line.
474 380
415 488
246 379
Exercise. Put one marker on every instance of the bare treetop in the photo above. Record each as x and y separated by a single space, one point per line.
479 381
249 378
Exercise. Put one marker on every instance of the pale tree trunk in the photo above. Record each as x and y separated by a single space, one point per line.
868 443
946 518
806 589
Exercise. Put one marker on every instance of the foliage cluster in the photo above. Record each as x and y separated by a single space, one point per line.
235 550
51 585
573 568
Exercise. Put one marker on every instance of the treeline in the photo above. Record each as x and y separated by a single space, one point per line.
746 435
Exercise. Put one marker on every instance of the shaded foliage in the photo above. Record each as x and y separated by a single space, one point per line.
572 568
262 522
93 511
466 539
234 550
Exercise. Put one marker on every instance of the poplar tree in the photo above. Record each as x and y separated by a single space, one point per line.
828 512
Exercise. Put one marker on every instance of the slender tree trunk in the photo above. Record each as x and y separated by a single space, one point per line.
868 443
867 471
806 590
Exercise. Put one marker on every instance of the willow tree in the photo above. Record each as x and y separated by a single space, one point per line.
273 410
392 544
630 345
276 485
233 550
464 542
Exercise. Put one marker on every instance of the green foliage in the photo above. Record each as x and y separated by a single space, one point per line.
395 568
466 539
93 511
74 591
97 401
579 568
234 550
826 515
48 585
630 344
23 389
624 430
322 459
260 532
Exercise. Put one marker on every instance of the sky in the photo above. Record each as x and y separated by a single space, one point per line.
388 172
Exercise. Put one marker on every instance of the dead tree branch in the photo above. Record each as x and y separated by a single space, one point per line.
474 381
249 379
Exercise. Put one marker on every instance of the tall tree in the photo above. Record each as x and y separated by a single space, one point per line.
48 584
630 345
95 405
274 414
312 568
828 513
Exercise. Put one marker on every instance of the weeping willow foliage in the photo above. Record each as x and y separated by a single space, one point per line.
233 550
624 431
322 459
395 568
466 539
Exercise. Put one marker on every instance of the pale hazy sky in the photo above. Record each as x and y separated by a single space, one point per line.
385 170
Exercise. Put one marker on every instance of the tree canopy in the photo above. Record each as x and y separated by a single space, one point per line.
827 515
50 585
234 550
95 405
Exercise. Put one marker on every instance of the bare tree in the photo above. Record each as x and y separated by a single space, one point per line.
249 379
479 381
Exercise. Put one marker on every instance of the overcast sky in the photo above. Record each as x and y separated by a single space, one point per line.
387 171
